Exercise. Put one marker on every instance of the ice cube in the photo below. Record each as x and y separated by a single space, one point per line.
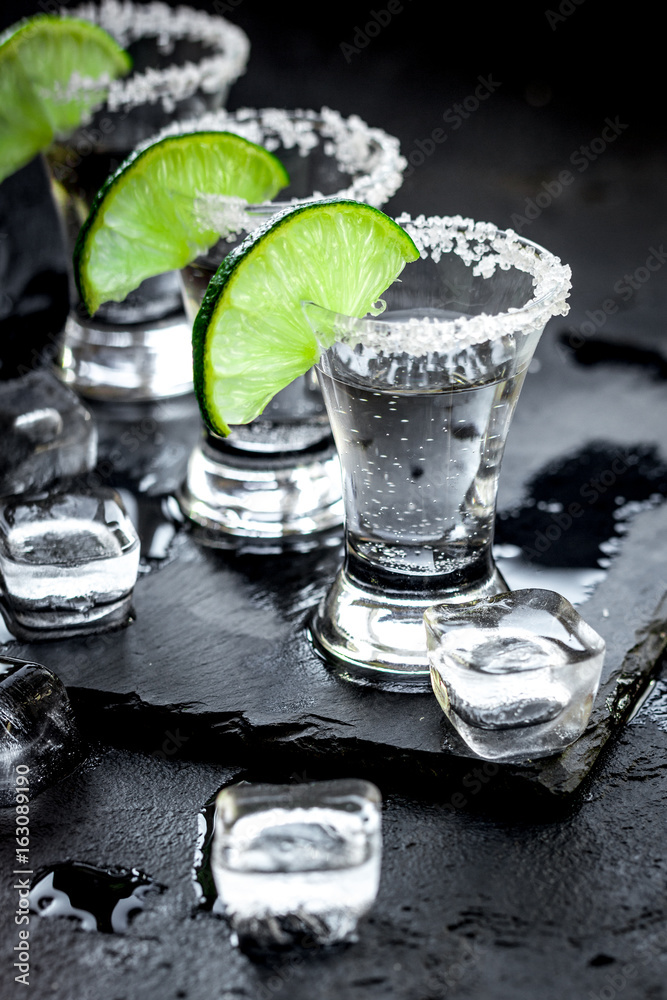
297 863
46 435
69 562
515 674
39 739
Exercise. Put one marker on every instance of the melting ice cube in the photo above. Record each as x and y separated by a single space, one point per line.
69 562
516 674
297 863
39 739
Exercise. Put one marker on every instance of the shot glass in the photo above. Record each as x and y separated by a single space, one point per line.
68 561
420 402
184 61
516 674
278 478
297 864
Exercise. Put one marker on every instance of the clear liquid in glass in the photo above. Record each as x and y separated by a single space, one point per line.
420 466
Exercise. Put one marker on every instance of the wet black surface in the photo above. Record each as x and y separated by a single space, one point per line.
472 902
94 898
497 883
582 504
599 352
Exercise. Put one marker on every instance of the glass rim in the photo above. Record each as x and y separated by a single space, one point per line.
472 241
127 21
367 151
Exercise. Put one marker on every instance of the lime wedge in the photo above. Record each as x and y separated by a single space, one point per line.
148 217
53 72
250 337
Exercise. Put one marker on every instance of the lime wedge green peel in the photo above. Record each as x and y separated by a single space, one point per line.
147 217
42 59
251 338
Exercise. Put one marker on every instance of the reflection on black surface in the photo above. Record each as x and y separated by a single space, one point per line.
202 875
577 508
97 898
143 451
597 352
292 581
145 447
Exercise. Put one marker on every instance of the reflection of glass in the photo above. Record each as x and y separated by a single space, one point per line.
515 674
184 62
420 402
143 450
278 477
144 447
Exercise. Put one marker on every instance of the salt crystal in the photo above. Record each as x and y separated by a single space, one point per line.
126 22
370 156
484 248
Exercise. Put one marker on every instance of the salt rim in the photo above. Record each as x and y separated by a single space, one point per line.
359 149
486 247
127 21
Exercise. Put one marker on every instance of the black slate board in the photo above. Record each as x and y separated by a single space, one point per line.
218 651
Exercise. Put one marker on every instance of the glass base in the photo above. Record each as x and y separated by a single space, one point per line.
49 623
229 497
379 640
139 361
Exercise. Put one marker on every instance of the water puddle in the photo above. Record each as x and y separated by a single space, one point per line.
565 533
156 525
102 899
596 351
653 708
202 875
575 585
